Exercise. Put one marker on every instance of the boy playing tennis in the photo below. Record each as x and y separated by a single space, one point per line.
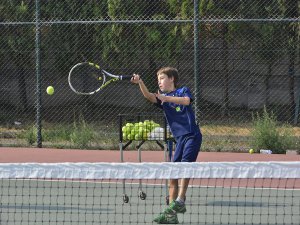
176 104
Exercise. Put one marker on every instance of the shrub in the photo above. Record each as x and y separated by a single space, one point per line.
30 135
82 134
266 134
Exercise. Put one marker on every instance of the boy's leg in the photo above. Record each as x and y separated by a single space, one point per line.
177 197
173 190
184 183
187 151
169 216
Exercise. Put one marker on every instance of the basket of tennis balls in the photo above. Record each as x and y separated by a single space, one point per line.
146 130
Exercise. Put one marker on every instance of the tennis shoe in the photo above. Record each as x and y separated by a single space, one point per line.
176 207
167 218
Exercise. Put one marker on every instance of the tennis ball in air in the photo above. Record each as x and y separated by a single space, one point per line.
251 151
50 90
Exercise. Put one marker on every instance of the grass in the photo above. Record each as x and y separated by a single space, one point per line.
81 135
78 136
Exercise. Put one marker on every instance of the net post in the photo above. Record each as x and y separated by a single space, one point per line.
296 115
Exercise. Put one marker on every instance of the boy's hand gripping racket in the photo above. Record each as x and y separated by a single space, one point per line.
88 78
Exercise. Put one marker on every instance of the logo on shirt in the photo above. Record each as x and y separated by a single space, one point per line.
178 109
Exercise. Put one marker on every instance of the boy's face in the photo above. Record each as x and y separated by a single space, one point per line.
165 83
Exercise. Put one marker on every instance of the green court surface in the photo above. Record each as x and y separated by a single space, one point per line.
30 202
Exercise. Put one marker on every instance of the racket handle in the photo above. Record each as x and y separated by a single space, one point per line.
126 77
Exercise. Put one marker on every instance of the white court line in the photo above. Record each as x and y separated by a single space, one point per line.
149 184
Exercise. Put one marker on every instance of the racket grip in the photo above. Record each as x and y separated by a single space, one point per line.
126 77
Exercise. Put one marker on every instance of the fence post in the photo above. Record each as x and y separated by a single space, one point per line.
196 59
38 74
297 100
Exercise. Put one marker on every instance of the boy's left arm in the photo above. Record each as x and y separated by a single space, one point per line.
177 100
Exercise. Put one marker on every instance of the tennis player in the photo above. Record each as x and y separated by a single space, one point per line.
176 104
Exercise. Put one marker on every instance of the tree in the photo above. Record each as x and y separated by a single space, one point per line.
19 43
274 37
292 32
159 42
224 31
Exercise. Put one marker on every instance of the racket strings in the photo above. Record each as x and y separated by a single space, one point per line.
86 79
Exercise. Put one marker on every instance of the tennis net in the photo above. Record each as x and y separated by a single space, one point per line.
95 193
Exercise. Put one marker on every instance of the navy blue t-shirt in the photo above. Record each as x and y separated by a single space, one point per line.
181 118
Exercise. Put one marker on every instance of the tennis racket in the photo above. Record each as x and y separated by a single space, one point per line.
87 78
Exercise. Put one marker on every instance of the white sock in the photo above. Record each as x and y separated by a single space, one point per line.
180 201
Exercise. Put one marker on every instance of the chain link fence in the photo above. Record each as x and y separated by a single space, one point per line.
238 57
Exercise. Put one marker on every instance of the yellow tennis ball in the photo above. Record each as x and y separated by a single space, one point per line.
50 90
141 130
125 129
138 137
130 136
251 151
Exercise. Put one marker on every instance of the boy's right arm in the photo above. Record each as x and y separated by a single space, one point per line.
148 95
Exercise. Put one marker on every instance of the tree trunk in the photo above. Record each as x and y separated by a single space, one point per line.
267 84
225 106
292 12
22 89
151 76
20 61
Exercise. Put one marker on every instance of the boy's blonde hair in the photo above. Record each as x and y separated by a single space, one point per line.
170 72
